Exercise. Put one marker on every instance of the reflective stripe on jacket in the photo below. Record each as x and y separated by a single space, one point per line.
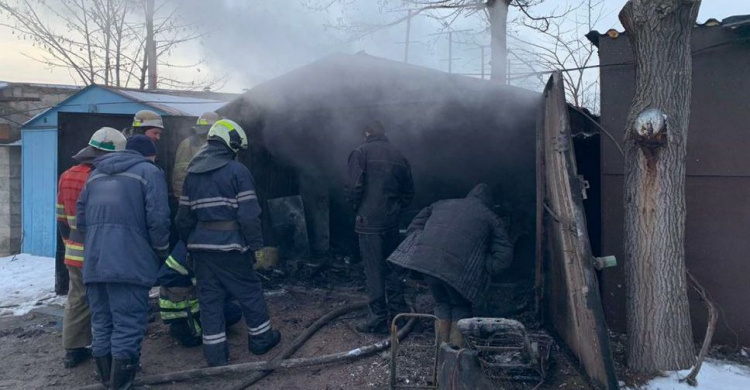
70 186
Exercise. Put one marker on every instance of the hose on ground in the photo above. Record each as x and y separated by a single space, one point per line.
300 341
179 376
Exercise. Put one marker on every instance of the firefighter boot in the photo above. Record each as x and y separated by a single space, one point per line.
374 324
264 342
442 331
104 368
123 373
456 338
76 356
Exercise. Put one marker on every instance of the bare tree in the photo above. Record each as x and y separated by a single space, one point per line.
493 13
100 41
562 45
659 329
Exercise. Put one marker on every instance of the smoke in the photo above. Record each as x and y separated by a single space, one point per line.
254 41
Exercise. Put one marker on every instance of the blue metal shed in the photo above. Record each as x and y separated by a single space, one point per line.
40 149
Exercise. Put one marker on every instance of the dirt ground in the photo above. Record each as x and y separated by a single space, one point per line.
32 355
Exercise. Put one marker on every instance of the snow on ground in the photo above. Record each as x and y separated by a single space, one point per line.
25 282
714 375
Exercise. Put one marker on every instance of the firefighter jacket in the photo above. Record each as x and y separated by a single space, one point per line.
69 189
185 152
379 185
124 214
219 210
177 296
459 241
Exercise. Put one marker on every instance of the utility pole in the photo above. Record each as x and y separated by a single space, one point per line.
150 45
408 38
450 51
450 47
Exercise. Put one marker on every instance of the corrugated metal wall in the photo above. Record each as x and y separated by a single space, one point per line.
39 169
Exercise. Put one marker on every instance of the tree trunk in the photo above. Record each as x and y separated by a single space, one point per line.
498 11
659 330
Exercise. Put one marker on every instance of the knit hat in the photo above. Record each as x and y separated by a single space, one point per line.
142 144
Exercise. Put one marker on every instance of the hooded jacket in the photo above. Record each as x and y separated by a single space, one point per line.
379 185
457 241
219 210
123 213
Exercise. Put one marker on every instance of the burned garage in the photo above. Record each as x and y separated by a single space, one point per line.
455 131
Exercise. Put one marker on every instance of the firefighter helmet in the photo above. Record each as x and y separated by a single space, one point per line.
108 140
147 118
230 133
205 122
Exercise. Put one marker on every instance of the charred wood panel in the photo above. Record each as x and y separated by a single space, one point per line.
573 305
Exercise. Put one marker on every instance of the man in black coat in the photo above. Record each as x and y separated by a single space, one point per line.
380 186
456 244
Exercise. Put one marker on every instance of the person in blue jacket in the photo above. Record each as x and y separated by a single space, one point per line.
219 220
178 300
123 213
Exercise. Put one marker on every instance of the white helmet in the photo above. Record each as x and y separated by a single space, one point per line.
230 133
108 140
147 118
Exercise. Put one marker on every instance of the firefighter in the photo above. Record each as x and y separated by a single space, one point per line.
189 148
77 317
123 213
148 123
178 301
455 245
218 218
379 187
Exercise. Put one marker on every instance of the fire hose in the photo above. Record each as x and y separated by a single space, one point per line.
263 368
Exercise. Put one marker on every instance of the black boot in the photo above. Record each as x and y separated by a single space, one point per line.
264 342
104 367
74 357
123 373
375 325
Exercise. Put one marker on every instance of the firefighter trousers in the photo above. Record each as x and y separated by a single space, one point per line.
77 317
227 273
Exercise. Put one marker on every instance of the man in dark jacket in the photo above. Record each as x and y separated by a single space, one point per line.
379 187
219 220
123 214
456 244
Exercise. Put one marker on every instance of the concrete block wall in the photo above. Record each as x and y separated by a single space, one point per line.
10 200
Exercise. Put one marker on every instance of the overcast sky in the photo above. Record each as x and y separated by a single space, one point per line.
251 41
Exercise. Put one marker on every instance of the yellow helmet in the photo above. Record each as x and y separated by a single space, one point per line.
205 122
230 133
147 118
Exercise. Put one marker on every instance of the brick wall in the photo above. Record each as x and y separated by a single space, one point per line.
10 199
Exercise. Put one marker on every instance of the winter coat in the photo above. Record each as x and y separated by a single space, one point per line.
458 241
185 152
379 185
219 210
123 213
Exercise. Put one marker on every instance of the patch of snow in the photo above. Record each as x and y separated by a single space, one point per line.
714 375
25 282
